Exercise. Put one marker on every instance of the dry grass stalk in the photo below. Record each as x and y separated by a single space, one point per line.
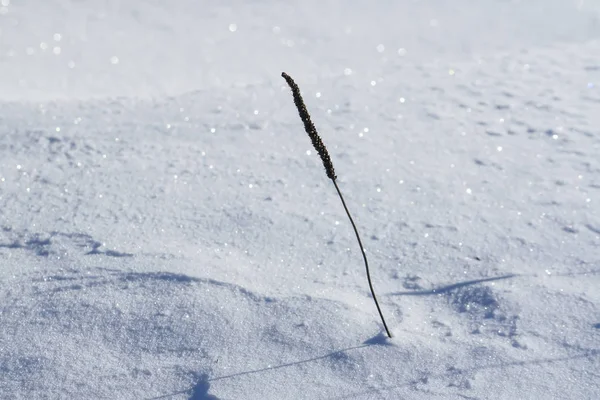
318 144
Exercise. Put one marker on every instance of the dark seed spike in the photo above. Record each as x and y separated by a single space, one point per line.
322 150
309 127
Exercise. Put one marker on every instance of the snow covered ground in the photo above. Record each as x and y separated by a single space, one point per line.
167 230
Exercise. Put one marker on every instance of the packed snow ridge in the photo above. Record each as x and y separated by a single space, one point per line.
167 231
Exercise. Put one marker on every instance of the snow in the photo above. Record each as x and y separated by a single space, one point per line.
167 230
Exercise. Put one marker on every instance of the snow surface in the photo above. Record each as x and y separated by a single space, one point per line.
167 231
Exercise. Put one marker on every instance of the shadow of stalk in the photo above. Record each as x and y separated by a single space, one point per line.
332 354
200 390
448 288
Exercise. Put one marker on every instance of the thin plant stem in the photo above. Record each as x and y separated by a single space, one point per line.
364 258
318 144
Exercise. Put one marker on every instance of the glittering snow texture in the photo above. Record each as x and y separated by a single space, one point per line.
167 231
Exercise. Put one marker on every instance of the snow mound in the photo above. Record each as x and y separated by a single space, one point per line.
167 231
